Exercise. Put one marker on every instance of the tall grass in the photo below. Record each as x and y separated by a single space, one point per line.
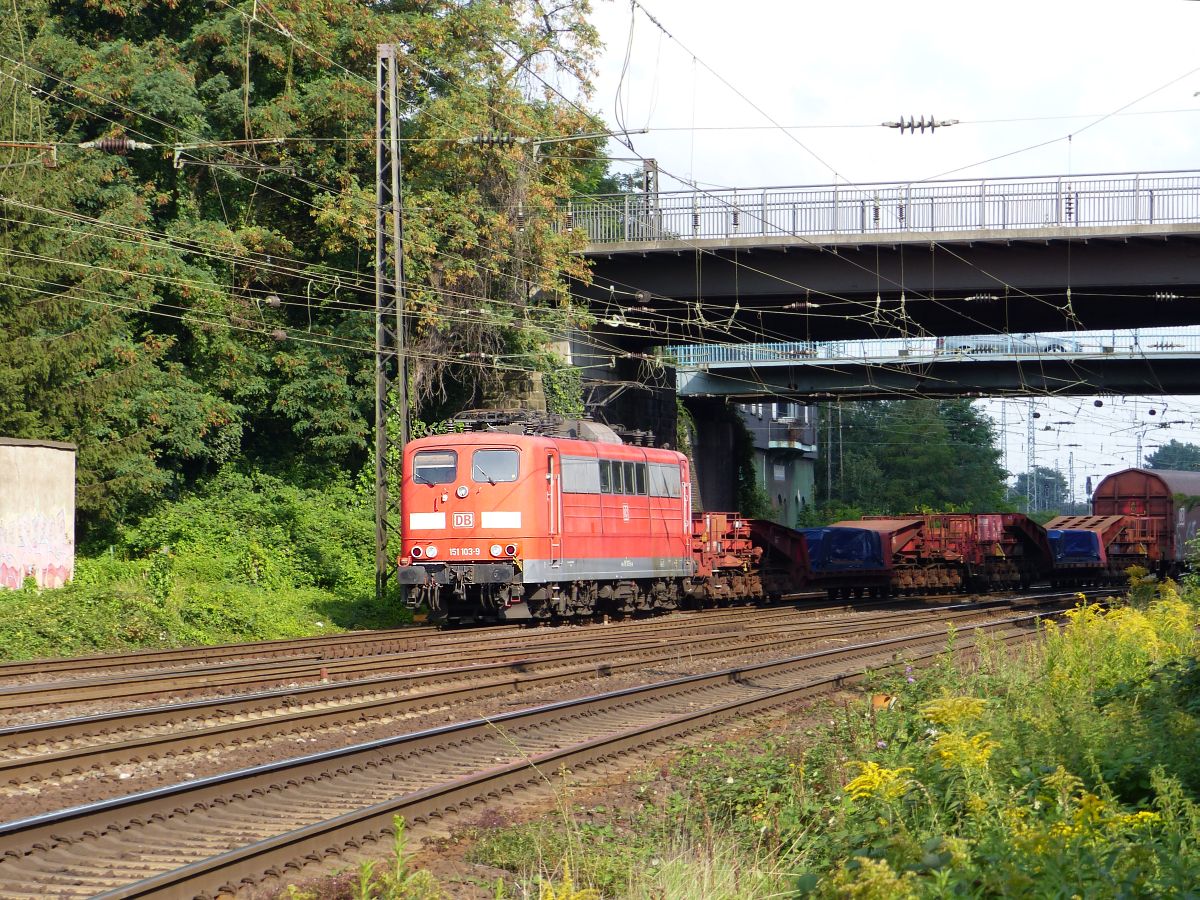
1069 767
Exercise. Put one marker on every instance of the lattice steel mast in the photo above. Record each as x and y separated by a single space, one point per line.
1031 486
391 370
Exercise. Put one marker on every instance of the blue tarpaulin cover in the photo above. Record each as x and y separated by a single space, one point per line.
1074 545
843 549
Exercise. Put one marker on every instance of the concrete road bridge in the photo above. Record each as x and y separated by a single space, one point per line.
887 260
1072 364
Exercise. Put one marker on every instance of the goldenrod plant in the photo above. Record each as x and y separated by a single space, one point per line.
1063 767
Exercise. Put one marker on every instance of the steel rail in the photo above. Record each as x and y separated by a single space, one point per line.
329 646
335 646
255 649
276 856
76 850
110 687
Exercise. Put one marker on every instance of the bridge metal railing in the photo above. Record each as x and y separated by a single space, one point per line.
1147 344
1054 201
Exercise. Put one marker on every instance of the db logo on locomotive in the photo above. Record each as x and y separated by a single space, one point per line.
464 520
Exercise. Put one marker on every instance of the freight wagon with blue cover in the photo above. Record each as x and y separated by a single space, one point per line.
944 553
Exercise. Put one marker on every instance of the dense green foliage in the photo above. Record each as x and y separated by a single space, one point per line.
901 456
211 299
246 557
1067 771
1175 455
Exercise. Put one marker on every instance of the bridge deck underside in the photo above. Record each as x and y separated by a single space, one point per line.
1079 375
897 285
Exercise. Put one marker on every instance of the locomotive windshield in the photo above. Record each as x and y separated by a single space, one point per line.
492 466
435 467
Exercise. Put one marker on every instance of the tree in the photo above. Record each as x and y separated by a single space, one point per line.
1051 488
1175 455
900 456
82 361
168 311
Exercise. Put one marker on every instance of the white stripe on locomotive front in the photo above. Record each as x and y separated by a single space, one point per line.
494 519
427 521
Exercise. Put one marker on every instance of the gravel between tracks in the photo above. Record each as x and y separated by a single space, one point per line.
111 781
424 775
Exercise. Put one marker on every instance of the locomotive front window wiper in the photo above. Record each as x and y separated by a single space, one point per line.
486 477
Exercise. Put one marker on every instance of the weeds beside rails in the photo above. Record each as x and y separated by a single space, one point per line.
1065 767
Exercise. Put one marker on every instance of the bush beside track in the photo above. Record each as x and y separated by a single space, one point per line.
249 557
1064 769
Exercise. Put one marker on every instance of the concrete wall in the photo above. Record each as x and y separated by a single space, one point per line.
714 475
788 478
785 450
37 512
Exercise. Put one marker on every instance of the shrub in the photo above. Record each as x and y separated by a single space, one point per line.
248 556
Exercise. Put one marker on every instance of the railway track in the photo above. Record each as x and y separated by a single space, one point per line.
436 649
349 644
59 748
333 646
221 833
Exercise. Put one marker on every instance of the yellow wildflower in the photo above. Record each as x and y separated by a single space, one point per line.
874 879
1062 783
976 804
875 781
950 712
1085 615
959 850
1064 830
1142 819
954 750
1091 809
566 890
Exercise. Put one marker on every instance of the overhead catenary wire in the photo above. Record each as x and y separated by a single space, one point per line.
1066 137
701 251
299 199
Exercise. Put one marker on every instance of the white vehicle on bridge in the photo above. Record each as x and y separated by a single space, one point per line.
1013 344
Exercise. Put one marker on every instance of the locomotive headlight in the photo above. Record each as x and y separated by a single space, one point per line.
462 492
510 550
431 551
496 550
416 553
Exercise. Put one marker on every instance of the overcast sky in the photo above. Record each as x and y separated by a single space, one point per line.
1119 78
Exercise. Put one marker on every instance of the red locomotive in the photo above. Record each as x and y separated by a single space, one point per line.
513 526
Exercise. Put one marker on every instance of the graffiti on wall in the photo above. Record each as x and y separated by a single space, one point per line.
36 546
